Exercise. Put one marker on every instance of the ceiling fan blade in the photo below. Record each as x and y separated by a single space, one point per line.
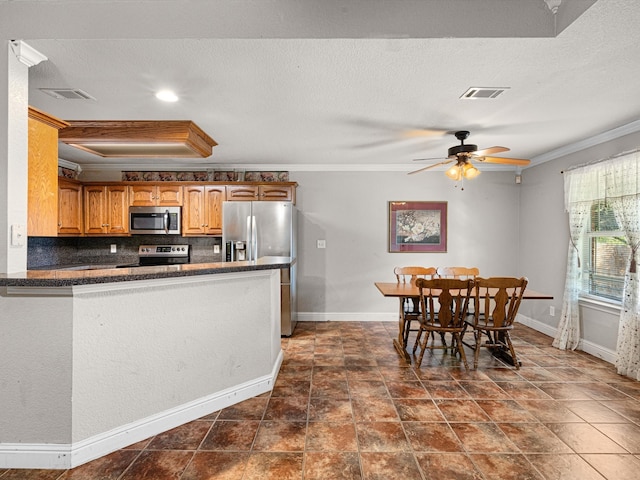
423 132
505 161
430 166
490 151
453 157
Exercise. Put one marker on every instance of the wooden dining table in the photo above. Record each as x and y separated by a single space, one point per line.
404 290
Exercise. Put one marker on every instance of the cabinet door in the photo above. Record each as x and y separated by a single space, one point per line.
69 208
169 196
42 201
275 192
193 211
242 192
214 196
94 209
142 195
117 209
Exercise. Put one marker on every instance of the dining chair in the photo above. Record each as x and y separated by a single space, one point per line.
443 303
458 272
410 306
496 301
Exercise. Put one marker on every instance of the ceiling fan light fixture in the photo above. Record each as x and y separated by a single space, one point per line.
469 171
454 173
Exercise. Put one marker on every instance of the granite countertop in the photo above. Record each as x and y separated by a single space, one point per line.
91 275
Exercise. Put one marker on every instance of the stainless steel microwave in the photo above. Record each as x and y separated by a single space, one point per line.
154 220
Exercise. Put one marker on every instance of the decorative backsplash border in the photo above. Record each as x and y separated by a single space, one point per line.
204 176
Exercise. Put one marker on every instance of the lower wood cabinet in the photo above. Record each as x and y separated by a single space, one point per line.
69 207
202 210
106 210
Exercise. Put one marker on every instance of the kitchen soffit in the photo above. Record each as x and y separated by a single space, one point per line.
138 138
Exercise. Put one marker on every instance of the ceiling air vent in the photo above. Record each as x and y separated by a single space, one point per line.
67 93
483 92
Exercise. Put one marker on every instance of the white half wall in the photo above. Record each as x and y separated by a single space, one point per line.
90 369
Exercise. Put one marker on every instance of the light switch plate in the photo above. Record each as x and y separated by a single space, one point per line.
17 235
322 244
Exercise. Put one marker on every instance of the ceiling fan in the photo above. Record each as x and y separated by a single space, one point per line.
463 154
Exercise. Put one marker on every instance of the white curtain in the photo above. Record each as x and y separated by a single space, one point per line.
617 182
622 194
581 187
568 333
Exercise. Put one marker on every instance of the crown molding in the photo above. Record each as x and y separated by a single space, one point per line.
603 137
26 54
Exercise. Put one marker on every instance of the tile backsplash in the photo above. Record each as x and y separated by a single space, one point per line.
56 251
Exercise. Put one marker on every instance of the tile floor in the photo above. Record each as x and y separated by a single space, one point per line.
346 407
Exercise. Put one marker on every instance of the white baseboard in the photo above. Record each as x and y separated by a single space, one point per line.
64 456
586 346
347 317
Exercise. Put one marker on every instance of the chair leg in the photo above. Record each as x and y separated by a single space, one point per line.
458 342
507 338
407 328
418 337
423 347
476 351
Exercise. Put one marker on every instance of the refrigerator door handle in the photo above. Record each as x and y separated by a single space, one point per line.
254 239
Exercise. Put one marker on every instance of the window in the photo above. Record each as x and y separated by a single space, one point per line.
606 253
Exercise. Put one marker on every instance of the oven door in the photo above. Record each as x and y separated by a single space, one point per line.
154 220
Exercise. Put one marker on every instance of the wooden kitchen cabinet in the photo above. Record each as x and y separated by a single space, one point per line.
106 209
155 195
69 207
269 192
202 209
42 202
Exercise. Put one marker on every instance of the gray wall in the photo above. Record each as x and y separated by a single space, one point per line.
350 211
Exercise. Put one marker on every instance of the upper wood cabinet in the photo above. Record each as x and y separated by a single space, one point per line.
267 192
155 195
202 210
42 201
69 207
106 209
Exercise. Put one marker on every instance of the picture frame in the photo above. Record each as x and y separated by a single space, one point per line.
417 227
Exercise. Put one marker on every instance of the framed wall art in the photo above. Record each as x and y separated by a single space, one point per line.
417 227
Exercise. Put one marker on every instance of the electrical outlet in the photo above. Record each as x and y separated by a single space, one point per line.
552 311
114 248
321 244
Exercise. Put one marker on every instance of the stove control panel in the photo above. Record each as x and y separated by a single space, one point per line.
163 250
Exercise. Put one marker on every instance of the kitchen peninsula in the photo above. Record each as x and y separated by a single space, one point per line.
95 360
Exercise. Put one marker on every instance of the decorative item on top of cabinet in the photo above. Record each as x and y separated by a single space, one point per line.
266 192
106 209
202 210
69 207
42 203
155 195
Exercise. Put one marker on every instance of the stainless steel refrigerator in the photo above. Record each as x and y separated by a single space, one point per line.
251 230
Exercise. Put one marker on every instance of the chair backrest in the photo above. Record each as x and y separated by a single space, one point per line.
497 300
411 274
444 301
458 272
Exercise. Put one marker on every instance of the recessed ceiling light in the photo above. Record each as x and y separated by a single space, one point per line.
167 96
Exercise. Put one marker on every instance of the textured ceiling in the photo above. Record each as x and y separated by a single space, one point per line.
340 84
